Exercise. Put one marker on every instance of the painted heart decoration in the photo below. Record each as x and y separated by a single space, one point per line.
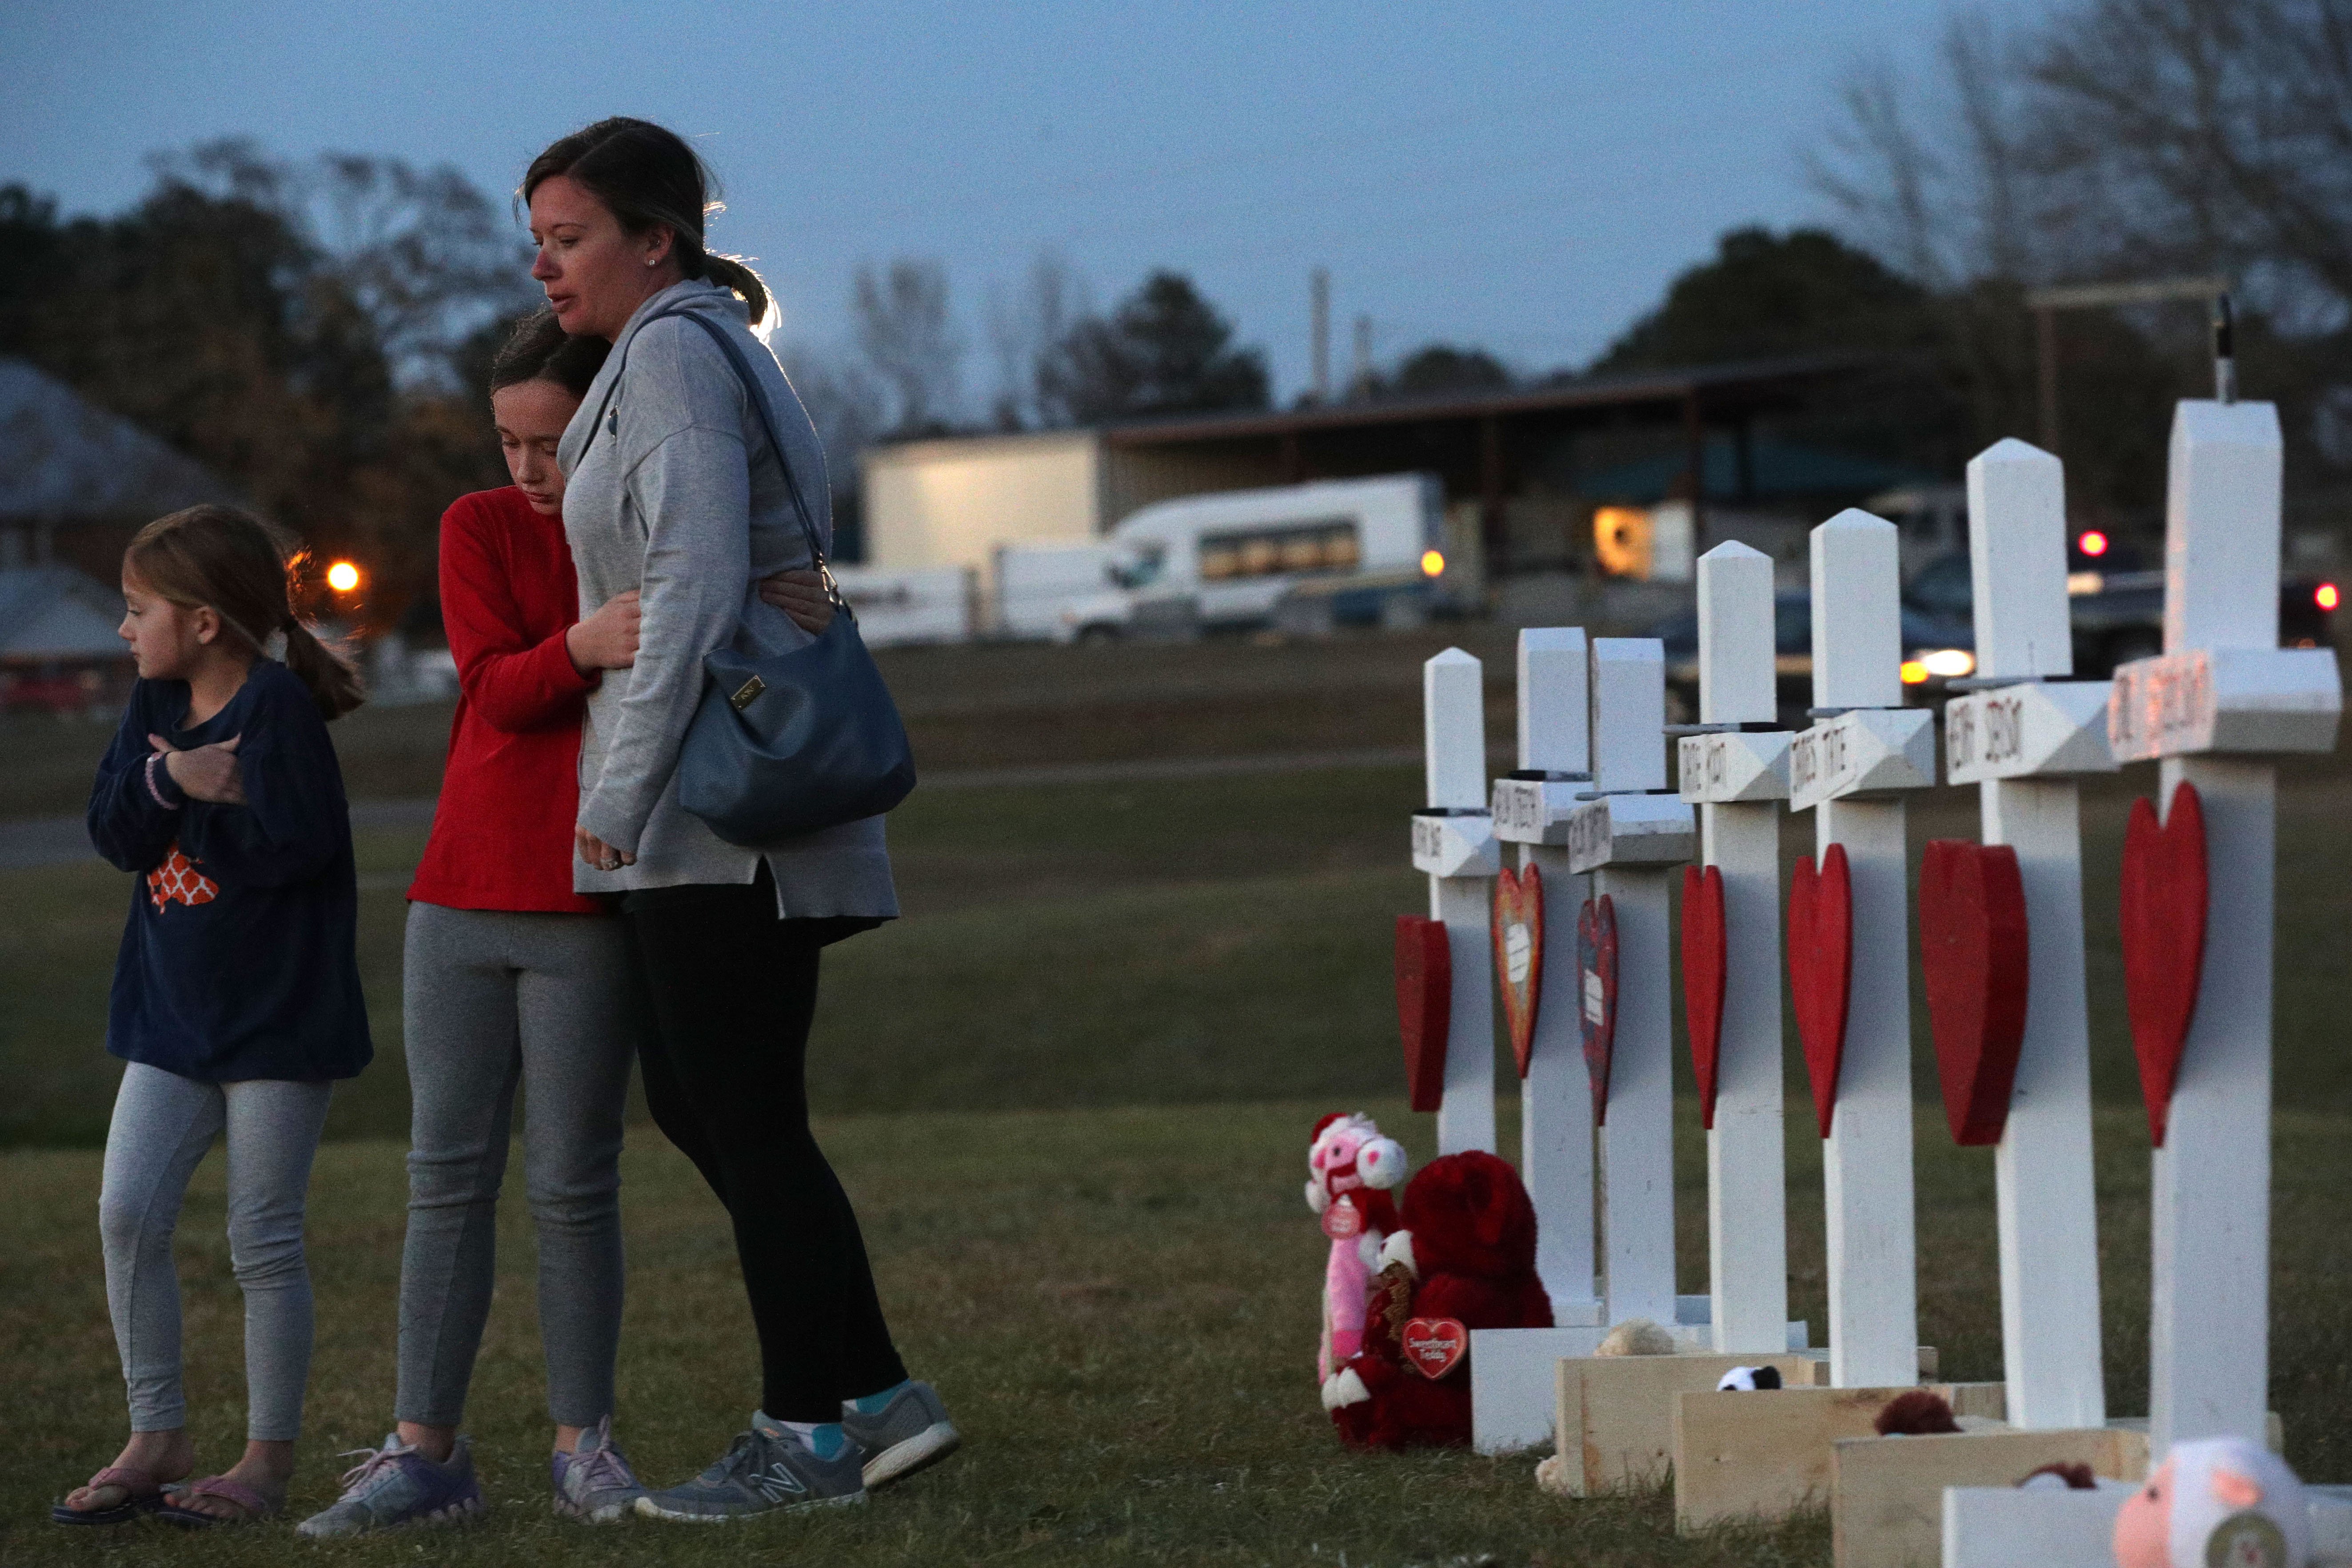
1704 963
1424 990
2164 910
1435 1346
1972 946
1518 932
1596 968
1821 970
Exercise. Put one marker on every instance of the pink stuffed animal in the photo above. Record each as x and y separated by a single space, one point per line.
1349 1168
2217 1502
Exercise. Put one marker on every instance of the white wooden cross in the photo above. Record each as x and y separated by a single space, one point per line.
1738 770
1633 838
1531 810
2023 743
2222 686
1865 745
1454 841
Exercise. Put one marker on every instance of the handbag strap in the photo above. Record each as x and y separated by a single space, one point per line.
758 397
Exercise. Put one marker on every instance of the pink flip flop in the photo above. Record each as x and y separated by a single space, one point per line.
256 1507
145 1494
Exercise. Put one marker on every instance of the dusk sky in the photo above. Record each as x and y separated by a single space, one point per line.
1524 177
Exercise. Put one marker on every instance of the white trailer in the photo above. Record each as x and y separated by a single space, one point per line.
931 606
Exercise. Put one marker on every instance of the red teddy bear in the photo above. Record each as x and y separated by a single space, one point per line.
1465 1259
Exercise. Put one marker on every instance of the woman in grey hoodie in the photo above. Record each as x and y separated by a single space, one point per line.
675 492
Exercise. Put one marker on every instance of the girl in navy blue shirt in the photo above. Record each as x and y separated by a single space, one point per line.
237 992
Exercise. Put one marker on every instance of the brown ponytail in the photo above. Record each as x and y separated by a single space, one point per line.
241 569
650 178
334 685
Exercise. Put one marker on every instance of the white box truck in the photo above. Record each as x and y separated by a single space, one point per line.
1065 592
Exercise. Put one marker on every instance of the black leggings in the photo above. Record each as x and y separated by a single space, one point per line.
731 989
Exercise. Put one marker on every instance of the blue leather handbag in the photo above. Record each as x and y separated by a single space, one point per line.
788 743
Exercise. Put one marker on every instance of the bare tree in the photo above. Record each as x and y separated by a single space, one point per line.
2124 136
423 254
1882 174
906 330
1025 323
845 402
2204 133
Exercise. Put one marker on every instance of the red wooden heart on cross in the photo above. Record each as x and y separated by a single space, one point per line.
1972 945
1518 932
2164 908
1703 960
1435 1346
1596 968
1424 990
1821 970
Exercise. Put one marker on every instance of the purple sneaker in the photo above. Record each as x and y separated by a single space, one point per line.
395 1485
595 1483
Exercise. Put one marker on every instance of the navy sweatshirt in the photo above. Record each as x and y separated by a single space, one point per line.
239 961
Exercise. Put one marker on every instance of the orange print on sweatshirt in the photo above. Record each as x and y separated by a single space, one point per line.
177 882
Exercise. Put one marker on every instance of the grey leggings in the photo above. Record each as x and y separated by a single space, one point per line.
495 999
162 1125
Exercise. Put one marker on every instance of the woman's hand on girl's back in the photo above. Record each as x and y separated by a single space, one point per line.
595 852
801 595
607 639
207 773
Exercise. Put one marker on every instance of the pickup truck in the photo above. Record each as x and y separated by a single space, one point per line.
2119 617
2118 609
1934 650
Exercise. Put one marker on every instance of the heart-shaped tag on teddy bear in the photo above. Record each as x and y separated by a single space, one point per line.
1821 970
1705 965
1972 948
1518 955
1424 996
2165 893
1596 966
1434 1346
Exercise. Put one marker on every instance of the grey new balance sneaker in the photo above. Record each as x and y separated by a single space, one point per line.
910 1433
395 1484
595 1482
767 1470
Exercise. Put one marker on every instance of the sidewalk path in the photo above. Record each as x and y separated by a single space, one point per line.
29 842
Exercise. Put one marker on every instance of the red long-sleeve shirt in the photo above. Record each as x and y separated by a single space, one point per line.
502 833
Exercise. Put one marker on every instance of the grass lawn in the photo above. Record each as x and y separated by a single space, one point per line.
1070 1094
1163 942
1120 1304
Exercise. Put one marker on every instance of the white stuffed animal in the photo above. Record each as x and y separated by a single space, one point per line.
2216 1503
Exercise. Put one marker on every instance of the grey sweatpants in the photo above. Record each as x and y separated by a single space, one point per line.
495 999
162 1125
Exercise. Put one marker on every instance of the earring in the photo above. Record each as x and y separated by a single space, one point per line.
653 261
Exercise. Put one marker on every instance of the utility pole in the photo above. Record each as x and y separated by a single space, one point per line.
2045 304
1361 385
1318 294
